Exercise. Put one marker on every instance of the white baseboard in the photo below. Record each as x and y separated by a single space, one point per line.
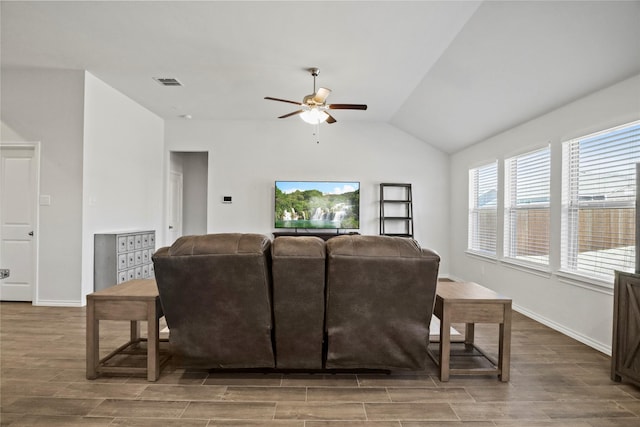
604 348
601 347
58 303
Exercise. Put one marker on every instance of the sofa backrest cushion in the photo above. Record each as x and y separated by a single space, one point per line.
298 301
380 296
216 296
220 244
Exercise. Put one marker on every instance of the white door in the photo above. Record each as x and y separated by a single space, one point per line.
175 206
18 188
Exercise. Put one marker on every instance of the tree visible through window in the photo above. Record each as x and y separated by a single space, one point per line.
598 202
483 209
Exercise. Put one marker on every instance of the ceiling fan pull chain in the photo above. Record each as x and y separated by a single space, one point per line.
316 132
314 73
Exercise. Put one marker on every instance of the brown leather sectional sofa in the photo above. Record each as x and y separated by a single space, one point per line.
237 300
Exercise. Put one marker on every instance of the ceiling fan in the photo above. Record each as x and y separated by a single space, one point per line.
314 107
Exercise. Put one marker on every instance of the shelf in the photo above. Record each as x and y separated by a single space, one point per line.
396 210
391 184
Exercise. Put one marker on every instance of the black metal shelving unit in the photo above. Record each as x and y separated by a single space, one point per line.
396 210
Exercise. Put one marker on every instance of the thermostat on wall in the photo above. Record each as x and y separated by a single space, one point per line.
226 199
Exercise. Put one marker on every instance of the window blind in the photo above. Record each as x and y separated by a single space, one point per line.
526 206
483 208
598 202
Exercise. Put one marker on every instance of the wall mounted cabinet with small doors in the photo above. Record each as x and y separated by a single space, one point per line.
122 256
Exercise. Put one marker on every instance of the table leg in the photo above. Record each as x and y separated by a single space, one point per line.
445 344
469 334
504 345
153 346
135 330
93 343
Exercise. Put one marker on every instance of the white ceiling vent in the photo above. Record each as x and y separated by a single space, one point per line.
168 81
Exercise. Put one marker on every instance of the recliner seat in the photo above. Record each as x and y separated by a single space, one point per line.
216 296
380 296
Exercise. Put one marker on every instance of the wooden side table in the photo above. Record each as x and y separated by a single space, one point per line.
135 301
470 303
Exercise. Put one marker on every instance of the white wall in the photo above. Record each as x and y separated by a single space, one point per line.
96 142
246 157
194 212
123 168
47 106
576 308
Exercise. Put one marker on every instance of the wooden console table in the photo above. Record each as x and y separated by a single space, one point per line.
470 303
135 301
324 236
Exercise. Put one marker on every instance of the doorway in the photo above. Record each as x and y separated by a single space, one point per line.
18 219
175 198
187 198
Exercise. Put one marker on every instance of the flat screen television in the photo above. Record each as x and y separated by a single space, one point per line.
317 204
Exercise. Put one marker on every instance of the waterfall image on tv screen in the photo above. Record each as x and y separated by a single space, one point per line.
317 204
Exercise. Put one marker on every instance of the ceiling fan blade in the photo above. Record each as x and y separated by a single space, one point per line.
347 106
290 114
281 100
321 95
330 119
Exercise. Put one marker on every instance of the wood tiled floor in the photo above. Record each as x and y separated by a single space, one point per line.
555 381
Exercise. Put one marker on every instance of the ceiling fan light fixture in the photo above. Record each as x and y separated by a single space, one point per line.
314 116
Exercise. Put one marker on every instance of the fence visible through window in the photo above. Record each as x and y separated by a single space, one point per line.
527 200
598 211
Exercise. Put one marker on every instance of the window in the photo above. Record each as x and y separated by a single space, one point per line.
483 209
526 206
598 197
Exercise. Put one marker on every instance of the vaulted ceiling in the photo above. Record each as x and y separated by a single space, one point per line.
451 73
